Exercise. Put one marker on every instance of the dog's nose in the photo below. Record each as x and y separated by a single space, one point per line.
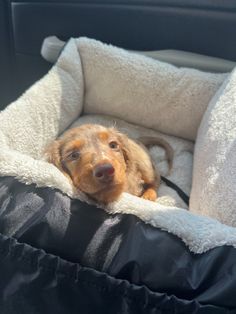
104 172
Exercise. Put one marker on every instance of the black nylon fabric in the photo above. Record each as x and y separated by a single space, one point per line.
157 265
35 282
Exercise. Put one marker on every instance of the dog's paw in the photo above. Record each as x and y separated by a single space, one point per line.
150 194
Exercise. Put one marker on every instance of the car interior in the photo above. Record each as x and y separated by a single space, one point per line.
65 254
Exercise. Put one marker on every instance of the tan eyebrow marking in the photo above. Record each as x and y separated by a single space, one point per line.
103 135
73 145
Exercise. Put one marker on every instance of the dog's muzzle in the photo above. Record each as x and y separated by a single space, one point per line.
104 172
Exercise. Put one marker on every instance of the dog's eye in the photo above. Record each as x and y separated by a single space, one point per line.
113 145
74 155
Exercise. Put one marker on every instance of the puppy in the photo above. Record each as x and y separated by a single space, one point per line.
103 163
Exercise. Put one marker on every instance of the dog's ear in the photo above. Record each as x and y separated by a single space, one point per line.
125 147
124 143
53 155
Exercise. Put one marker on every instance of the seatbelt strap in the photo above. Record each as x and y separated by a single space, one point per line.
175 187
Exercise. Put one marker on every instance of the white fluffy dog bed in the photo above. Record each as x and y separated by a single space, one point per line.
95 82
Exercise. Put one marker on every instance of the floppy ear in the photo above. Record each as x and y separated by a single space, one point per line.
125 147
52 153
53 156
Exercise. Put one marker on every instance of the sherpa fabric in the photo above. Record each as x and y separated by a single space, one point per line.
140 90
214 176
52 47
95 78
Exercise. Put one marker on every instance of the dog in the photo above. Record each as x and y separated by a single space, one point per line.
102 162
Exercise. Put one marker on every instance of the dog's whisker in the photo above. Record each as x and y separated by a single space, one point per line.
113 123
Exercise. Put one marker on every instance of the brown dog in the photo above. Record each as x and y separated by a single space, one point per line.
103 162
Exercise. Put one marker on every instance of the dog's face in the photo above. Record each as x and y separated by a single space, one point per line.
95 159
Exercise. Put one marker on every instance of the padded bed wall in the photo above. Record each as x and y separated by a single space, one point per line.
199 27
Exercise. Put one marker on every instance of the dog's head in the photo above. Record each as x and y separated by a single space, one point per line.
95 158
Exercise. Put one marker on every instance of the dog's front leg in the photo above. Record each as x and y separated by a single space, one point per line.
149 192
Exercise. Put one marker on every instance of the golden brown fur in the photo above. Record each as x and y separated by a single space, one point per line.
103 162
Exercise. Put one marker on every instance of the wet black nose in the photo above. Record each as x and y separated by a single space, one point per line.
104 172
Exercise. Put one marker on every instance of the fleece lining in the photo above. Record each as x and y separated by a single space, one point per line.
153 97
